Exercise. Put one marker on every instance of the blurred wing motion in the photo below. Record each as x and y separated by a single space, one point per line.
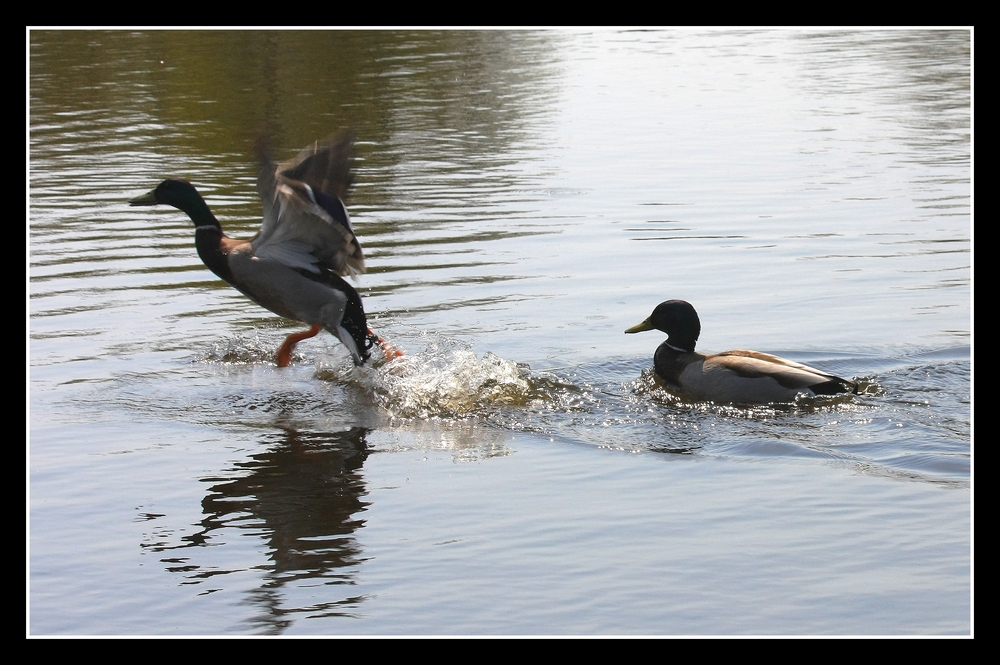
306 225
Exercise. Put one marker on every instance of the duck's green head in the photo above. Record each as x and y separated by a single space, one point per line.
180 194
678 319
172 192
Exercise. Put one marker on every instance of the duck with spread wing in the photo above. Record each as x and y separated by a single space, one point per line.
295 266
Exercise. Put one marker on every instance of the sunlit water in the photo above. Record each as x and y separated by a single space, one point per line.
522 199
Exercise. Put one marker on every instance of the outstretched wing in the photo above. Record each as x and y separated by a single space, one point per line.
306 224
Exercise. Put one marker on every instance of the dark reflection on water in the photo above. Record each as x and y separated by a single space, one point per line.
302 496
471 84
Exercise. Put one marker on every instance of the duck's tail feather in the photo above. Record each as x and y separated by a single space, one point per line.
834 386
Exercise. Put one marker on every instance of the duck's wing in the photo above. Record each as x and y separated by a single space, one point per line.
787 373
306 225
770 359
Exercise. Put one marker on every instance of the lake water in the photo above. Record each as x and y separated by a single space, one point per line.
522 198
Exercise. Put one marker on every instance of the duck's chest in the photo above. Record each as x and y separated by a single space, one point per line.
671 364
216 250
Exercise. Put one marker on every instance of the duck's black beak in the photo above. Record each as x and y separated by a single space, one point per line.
645 325
144 200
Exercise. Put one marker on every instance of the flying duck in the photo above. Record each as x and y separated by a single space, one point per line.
295 264
747 377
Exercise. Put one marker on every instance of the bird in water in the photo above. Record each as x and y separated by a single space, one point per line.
295 265
747 377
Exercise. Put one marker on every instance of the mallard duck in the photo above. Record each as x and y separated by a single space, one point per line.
295 264
747 377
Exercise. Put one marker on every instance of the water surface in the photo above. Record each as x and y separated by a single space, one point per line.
522 197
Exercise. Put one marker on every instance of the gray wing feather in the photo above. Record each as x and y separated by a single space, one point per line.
298 231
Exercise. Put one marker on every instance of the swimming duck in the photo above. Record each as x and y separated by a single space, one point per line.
733 376
295 264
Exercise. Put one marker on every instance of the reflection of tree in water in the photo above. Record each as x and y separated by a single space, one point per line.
301 496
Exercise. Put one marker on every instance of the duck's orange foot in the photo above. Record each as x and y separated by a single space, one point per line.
285 352
391 352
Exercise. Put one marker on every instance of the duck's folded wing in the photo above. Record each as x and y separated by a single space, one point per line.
775 360
753 364
306 224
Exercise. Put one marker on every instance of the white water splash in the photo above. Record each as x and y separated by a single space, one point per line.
446 380
243 350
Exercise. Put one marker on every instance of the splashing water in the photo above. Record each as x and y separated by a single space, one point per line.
446 380
242 350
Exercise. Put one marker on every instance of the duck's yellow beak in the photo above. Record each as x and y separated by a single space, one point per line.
144 200
645 325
